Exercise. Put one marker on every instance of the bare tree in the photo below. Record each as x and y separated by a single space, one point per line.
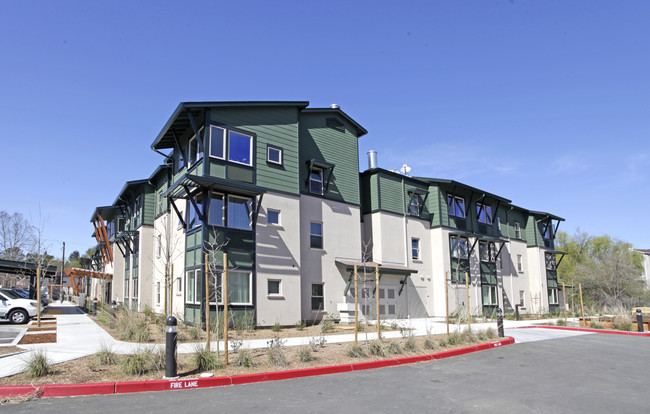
168 251
215 266
39 256
16 235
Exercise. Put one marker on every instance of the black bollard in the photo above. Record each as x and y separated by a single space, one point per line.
639 320
170 355
95 307
517 311
500 322
113 306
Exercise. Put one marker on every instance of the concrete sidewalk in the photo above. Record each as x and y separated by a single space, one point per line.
79 336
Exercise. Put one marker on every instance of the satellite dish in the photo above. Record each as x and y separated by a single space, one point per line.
405 169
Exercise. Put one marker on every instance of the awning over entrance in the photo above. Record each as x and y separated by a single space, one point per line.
372 266
78 277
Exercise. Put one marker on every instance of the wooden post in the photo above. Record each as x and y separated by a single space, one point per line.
225 306
207 305
469 316
377 296
582 305
356 306
166 290
564 301
38 295
447 302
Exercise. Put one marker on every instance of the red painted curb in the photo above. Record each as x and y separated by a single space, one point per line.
602 331
68 390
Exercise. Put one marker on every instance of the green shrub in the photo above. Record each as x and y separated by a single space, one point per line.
377 348
443 342
410 345
395 348
137 363
356 351
244 322
204 359
622 323
561 322
38 364
430 343
245 358
469 336
105 356
300 325
596 325
276 327
327 324
305 354
194 333
131 326
275 353
491 334
455 338
361 327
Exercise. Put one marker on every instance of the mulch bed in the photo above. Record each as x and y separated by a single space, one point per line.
38 338
35 328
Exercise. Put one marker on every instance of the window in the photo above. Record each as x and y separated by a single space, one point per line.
552 296
179 286
180 162
159 250
459 248
158 292
192 281
138 205
215 211
239 210
522 301
126 288
414 206
239 288
274 155
192 216
317 298
193 149
273 217
315 235
550 261
484 213
456 206
240 148
415 248
489 294
520 265
517 230
159 202
487 251
316 181
217 142
499 224
547 230
273 287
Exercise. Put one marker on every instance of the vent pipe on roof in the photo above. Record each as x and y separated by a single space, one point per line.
335 106
372 160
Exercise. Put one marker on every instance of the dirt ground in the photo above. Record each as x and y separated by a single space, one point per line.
88 369
4 350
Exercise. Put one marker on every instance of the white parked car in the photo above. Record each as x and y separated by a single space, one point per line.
16 309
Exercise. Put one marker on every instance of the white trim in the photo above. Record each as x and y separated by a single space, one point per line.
279 150
250 151
223 141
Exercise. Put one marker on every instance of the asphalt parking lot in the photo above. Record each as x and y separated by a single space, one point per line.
587 373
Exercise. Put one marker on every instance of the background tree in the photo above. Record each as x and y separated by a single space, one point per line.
16 236
609 270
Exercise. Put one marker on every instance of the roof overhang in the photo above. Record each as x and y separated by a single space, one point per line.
361 131
24 268
391 269
188 181
180 120
129 185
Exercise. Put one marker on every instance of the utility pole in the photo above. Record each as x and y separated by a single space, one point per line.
62 269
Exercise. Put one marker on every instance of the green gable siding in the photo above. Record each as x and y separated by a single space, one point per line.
269 125
533 236
326 144
392 198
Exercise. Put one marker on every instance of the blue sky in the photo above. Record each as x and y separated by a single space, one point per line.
544 103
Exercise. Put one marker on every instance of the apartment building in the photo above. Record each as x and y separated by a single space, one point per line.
271 193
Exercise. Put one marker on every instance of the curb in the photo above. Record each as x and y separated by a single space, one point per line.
69 390
601 331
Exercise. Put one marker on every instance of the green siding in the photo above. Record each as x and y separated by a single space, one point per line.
533 236
148 205
392 196
326 144
434 205
275 126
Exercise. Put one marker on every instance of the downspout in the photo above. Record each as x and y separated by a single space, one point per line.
406 245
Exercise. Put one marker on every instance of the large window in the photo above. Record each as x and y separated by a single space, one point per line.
217 142
240 148
547 230
316 181
317 297
456 206
550 261
552 296
489 294
192 283
484 213
459 248
215 211
517 230
239 211
178 159
487 251
194 150
415 248
239 288
520 264
316 235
